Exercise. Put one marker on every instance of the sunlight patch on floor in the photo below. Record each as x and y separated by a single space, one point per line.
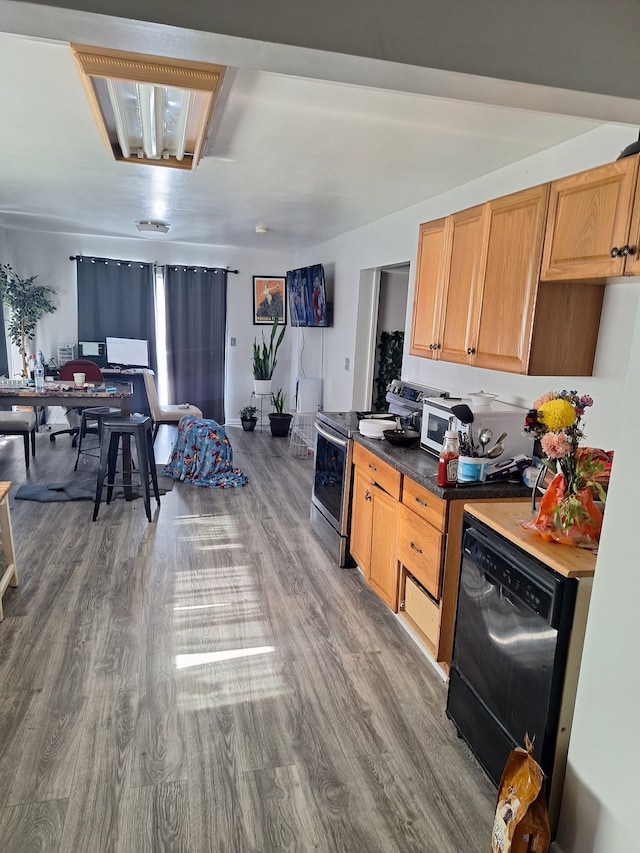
202 658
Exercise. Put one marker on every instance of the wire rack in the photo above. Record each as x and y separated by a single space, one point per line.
302 440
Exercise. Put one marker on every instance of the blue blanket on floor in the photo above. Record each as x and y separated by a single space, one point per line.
202 455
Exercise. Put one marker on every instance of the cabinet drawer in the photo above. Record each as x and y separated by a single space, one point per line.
420 549
425 504
380 472
424 612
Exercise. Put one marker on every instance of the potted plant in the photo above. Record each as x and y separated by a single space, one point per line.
248 418
28 303
279 420
264 359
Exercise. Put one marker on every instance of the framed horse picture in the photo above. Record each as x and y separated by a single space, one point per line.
269 300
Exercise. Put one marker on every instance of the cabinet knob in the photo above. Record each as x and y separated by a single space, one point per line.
615 252
421 502
470 351
431 346
436 346
414 547
628 250
367 495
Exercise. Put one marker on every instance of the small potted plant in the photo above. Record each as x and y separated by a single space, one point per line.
279 420
264 359
248 418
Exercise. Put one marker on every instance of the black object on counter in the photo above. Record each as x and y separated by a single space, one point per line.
401 437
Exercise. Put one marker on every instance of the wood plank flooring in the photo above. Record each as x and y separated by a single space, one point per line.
213 682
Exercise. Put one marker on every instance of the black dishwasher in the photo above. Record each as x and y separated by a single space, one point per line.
513 624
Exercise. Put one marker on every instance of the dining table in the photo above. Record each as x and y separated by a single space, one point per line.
69 395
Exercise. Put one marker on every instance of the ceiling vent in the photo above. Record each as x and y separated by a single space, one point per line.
156 227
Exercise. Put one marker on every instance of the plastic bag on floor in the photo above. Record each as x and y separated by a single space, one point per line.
521 823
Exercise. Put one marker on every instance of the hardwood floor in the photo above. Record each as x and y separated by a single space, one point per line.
212 682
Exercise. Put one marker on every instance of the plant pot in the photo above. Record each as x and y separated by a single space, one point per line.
279 424
248 424
262 386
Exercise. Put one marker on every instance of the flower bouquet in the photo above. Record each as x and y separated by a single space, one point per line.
568 512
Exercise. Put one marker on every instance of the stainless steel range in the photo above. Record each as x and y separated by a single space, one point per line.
331 495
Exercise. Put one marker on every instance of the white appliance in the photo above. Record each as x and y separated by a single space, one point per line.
308 394
498 417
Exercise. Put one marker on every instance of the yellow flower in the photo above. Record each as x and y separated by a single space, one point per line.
557 414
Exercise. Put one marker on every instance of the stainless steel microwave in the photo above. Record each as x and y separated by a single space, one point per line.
499 417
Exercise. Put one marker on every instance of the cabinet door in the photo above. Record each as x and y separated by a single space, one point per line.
361 520
511 266
589 216
464 244
383 570
632 260
426 296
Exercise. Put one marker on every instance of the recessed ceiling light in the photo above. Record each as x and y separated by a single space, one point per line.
158 227
262 229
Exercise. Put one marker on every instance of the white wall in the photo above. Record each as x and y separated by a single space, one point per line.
47 256
392 311
601 788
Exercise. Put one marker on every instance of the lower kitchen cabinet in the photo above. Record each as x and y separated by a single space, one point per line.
406 541
374 523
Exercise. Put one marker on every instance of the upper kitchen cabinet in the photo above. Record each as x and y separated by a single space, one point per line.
491 309
427 294
461 282
589 232
446 283
503 311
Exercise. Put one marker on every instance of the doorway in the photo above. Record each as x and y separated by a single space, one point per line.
389 332
382 307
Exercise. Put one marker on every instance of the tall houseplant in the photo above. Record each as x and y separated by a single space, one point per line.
29 302
265 359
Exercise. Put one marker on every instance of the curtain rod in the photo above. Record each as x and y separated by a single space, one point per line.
142 263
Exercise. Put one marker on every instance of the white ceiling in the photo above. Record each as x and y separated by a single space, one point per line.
307 158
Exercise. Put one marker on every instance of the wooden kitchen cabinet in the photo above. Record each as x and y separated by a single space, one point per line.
374 523
427 293
421 548
494 311
503 313
589 234
461 283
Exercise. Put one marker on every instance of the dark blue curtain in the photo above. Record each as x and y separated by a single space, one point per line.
116 299
196 313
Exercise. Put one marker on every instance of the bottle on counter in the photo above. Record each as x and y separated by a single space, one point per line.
448 460
38 373
32 367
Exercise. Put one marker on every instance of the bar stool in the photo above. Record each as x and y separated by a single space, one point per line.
113 429
95 415
9 576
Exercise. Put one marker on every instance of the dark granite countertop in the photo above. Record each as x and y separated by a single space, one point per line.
422 467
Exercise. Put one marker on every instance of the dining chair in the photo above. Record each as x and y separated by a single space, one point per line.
92 373
165 414
22 422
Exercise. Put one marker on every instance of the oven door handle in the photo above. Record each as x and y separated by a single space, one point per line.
343 442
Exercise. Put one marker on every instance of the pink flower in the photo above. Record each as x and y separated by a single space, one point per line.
545 398
555 445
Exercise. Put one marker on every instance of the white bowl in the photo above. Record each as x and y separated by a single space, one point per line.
481 400
375 427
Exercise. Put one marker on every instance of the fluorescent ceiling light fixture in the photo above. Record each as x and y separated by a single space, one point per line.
150 109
